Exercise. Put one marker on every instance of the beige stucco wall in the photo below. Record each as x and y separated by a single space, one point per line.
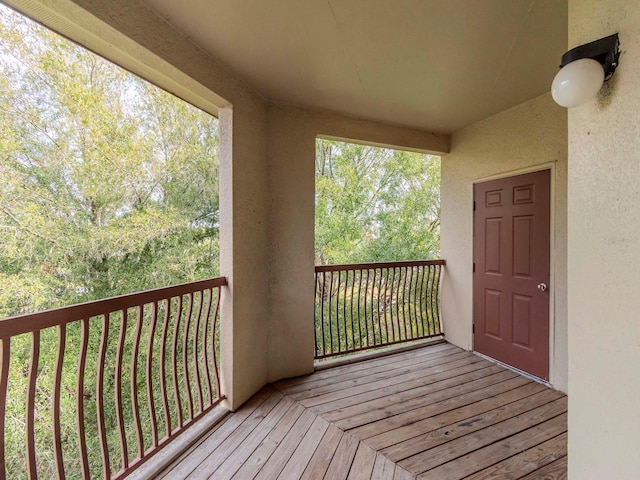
291 224
604 258
528 136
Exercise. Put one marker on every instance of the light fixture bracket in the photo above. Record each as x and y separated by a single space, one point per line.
605 51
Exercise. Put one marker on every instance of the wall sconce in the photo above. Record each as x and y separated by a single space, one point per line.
583 71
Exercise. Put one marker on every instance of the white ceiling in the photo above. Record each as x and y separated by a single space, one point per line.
438 65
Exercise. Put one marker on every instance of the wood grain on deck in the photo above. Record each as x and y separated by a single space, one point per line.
437 412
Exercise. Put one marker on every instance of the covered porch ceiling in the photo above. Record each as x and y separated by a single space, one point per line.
429 64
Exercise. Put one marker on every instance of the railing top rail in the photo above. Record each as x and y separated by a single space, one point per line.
29 322
365 266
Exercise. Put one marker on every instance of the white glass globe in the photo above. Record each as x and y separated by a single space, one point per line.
577 82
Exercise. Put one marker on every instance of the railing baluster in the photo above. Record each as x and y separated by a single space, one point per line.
414 317
415 300
329 307
55 402
163 368
429 313
5 358
196 365
378 305
412 302
368 298
385 307
150 399
124 451
424 271
381 304
397 302
402 333
411 289
102 433
358 297
348 345
320 292
404 301
372 307
185 356
213 343
31 405
135 404
428 300
432 326
363 296
344 310
205 344
174 358
392 296
437 306
82 360
353 330
390 302
338 289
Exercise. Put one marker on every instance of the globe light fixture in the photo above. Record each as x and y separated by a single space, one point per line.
583 71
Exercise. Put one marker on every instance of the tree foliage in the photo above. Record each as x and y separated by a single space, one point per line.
375 204
110 185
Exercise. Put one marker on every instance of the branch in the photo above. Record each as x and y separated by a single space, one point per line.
32 232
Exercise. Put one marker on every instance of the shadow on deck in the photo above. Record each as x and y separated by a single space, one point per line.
437 412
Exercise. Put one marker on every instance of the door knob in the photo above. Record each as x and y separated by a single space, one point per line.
542 287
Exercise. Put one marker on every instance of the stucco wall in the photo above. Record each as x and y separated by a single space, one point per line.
604 259
529 135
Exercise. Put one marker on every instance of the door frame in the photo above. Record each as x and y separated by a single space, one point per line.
551 166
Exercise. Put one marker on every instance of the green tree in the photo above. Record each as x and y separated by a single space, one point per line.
110 184
375 204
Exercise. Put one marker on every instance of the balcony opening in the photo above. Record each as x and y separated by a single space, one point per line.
377 242
109 187
111 184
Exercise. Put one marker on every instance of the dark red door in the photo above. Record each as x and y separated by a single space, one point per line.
511 271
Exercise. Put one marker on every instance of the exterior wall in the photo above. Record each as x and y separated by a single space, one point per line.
530 135
604 260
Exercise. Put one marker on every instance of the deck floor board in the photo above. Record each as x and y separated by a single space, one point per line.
436 412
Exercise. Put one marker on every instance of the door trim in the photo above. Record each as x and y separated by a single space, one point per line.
552 251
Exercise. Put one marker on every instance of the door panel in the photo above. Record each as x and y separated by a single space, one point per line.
511 258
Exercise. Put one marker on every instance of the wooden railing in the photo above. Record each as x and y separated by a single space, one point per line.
364 306
95 390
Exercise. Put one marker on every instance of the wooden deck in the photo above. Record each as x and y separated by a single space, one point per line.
433 413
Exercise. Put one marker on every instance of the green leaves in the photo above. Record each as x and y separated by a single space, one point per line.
110 185
375 204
